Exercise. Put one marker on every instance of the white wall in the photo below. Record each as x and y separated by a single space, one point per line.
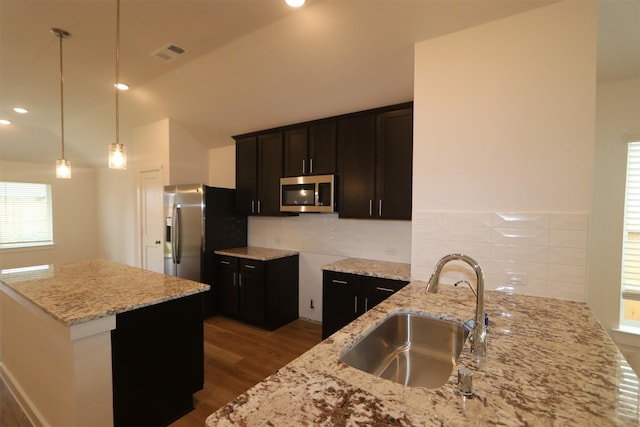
617 121
151 148
75 215
504 123
189 159
222 166
116 215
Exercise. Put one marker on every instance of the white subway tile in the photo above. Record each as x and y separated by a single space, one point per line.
567 291
568 256
467 219
520 236
567 273
427 232
427 218
519 253
568 238
503 268
520 220
466 234
568 221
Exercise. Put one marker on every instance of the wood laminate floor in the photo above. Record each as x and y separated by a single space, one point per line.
236 357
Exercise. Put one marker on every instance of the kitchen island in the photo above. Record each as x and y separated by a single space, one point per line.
83 343
549 363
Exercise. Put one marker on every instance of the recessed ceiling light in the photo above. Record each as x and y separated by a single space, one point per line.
121 86
295 3
20 110
5 122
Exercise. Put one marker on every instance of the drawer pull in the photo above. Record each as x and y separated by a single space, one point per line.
249 266
340 282
384 289
225 262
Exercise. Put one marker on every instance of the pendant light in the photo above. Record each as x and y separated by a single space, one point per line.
63 166
117 151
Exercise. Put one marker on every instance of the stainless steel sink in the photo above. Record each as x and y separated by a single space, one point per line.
411 349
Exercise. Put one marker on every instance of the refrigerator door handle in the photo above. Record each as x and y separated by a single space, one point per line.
176 241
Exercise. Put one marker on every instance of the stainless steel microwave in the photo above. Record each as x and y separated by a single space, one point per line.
314 193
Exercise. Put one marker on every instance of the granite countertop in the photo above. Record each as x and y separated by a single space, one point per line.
366 267
549 363
253 252
78 292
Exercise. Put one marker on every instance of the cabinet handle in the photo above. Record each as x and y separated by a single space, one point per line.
340 282
249 266
225 262
310 165
258 206
380 208
366 304
355 304
303 166
252 207
240 279
370 207
385 289
235 279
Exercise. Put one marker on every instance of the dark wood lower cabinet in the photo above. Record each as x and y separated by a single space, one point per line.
346 296
157 362
262 293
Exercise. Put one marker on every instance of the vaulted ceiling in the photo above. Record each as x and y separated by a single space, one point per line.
249 64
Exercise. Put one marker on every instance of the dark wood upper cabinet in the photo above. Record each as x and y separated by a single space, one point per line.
394 159
370 152
310 149
375 156
356 166
269 173
246 174
258 173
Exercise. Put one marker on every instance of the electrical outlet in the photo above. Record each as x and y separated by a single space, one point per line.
516 278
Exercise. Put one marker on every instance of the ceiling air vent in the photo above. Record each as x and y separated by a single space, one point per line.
169 52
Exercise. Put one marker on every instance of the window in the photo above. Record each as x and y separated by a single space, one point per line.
25 215
630 315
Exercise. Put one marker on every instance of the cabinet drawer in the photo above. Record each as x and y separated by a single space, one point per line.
224 261
337 278
251 266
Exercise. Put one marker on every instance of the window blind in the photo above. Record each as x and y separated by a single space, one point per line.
631 234
25 214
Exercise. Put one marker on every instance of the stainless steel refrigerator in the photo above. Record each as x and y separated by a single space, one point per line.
198 221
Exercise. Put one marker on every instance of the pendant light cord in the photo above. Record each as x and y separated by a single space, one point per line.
117 72
61 36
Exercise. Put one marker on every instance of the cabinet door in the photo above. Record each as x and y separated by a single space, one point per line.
374 290
394 159
269 173
246 175
356 166
322 149
295 152
227 285
252 290
340 304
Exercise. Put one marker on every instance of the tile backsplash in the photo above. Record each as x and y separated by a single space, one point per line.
542 254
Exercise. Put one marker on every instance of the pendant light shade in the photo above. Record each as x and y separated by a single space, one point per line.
63 166
117 156
117 152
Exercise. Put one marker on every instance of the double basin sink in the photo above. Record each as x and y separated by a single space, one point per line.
413 349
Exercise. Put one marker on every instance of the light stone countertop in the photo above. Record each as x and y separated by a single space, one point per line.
367 267
79 292
257 253
549 363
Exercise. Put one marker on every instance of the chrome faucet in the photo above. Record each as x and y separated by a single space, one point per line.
479 343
